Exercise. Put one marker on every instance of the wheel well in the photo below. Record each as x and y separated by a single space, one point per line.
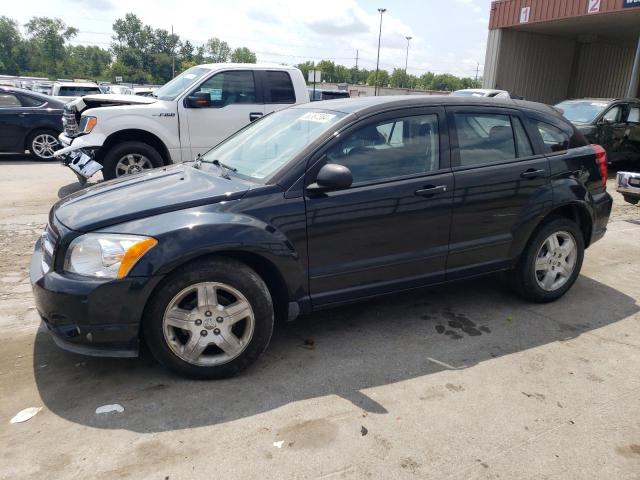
136 136
265 269
576 213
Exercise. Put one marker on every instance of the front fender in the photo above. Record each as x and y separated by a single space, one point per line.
186 235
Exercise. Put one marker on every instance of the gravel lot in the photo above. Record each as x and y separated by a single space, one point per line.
509 390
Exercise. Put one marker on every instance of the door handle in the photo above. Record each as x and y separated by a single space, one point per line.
429 191
531 173
255 116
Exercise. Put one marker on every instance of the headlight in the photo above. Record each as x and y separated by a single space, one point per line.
106 255
87 124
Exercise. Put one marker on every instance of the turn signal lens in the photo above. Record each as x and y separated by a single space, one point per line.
89 124
133 254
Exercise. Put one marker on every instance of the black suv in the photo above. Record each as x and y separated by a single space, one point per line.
614 124
312 207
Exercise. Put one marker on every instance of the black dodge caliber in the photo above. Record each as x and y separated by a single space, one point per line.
312 207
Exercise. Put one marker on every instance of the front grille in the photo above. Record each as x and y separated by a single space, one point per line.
48 242
70 124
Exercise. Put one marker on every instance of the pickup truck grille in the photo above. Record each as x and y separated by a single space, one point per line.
70 124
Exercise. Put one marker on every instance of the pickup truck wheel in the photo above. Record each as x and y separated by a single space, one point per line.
551 262
130 157
43 143
210 319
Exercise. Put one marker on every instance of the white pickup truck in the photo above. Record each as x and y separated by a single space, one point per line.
69 91
123 134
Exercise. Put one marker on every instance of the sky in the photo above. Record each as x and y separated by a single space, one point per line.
448 36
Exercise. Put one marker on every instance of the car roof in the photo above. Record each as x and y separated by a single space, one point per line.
368 105
246 66
31 93
77 84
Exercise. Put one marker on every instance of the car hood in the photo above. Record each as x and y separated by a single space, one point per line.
145 194
107 100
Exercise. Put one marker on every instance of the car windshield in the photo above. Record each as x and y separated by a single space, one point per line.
263 147
170 90
583 111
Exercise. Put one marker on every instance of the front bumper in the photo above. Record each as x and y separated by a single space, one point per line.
78 154
628 184
90 316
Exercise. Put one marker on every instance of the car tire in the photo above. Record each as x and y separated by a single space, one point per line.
173 335
42 143
548 268
130 157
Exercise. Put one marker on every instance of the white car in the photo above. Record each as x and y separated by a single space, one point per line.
481 92
123 134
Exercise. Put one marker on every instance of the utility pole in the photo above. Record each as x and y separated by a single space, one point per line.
173 55
381 10
406 61
477 71
356 79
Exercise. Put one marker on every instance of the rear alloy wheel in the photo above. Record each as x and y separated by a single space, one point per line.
551 262
556 261
43 145
209 319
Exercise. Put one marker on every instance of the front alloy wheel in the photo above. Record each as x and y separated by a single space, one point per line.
208 324
132 163
211 318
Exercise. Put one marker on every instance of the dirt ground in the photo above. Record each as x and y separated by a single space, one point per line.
464 381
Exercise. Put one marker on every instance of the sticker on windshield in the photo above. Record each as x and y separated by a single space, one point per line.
599 104
190 76
317 117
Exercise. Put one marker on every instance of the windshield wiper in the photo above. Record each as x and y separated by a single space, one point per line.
223 168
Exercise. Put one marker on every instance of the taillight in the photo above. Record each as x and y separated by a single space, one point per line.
601 161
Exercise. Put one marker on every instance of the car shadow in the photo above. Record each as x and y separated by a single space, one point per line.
340 352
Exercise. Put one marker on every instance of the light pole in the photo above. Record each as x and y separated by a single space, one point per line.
381 10
406 61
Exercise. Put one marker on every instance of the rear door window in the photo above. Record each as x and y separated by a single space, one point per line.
484 139
28 101
634 114
279 88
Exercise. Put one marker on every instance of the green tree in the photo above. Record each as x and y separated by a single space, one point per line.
383 78
243 55
47 37
399 78
217 50
10 39
446 82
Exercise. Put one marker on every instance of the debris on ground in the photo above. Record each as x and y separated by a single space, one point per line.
363 430
26 414
278 444
115 407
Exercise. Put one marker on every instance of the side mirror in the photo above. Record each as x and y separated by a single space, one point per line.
198 100
331 177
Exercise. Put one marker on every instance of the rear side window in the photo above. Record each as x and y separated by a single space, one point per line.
553 138
634 115
484 139
28 101
279 88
